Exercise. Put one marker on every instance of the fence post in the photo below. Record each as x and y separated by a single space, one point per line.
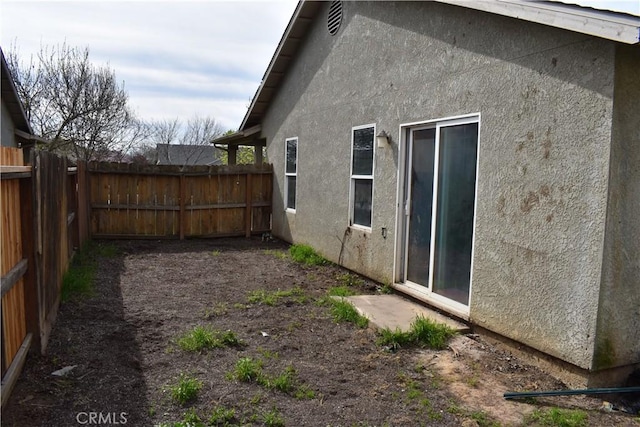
247 217
182 201
31 304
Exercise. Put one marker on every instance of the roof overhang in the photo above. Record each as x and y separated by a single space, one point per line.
248 137
11 100
285 52
619 27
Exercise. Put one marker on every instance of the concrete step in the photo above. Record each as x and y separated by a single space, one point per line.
395 312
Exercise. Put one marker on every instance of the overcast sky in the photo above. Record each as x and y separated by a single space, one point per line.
177 59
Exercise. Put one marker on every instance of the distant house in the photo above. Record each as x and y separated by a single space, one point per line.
480 156
16 131
183 155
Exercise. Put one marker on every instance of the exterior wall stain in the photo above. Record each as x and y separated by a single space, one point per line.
546 100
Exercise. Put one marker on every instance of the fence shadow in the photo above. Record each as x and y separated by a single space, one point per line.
98 338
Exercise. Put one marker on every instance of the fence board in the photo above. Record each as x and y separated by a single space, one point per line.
171 202
13 326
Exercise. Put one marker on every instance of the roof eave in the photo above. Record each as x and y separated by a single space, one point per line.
302 16
11 98
619 27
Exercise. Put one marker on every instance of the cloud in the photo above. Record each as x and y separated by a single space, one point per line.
174 57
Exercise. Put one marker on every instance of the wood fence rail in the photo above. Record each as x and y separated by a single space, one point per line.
43 221
50 208
158 201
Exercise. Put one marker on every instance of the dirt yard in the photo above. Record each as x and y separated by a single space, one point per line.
123 344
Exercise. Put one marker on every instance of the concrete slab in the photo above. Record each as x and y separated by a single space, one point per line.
393 311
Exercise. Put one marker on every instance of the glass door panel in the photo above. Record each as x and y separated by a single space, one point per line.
455 200
420 181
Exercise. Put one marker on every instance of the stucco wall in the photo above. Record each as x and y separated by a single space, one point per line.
8 129
545 99
618 334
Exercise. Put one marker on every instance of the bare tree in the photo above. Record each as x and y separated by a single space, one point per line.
80 107
190 142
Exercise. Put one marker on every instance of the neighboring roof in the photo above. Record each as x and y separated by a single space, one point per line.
248 137
616 26
180 154
11 100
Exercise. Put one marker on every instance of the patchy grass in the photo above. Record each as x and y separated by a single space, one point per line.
246 370
79 278
250 370
483 419
341 291
276 253
185 389
273 418
424 333
556 417
222 416
344 311
350 280
305 254
261 296
203 338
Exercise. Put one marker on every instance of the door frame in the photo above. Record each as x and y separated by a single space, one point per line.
422 292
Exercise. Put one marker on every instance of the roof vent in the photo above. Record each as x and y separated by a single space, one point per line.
334 19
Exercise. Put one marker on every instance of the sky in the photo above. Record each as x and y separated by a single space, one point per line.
176 58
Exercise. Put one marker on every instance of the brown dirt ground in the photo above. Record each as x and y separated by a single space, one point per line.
122 341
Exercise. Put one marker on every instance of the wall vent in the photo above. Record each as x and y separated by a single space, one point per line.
334 19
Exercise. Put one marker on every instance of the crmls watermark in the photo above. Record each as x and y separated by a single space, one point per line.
101 418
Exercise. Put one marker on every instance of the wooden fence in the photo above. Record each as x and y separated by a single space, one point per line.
134 201
49 209
43 221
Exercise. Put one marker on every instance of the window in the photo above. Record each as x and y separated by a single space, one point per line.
290 173
362 138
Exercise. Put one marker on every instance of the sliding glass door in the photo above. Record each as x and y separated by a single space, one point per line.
440 188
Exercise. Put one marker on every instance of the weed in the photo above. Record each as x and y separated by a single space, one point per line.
557 417
423 332
341 291
350 280
303 392
256 399
186 389
222 416
247 370
293 326
278 254
483 419
203 338
250 370
273 418
385 289
285 382
306 255
472 381
267 354
261 296
393 339
344 311
104 250
216 253
191 419
220 309
240 306
78 281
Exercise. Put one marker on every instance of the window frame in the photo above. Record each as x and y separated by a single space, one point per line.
353 178
288 175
